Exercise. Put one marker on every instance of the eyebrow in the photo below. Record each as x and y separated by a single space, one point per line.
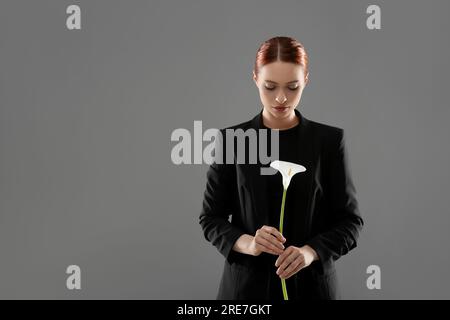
277 82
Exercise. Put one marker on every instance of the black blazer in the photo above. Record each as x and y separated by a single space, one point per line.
329 219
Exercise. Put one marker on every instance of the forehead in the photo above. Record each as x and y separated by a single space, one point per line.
282 72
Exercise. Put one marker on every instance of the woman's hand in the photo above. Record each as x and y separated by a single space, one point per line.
293 259
267 239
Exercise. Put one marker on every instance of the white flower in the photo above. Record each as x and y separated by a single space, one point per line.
287 170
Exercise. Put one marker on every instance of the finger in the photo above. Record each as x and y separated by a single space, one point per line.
282 257
265 249
300 266
267 246
287 272
272 239
275 232
285 264
292 257
262 248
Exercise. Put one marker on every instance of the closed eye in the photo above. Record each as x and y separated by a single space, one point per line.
273 88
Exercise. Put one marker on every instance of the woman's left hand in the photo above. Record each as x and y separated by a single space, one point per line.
293 259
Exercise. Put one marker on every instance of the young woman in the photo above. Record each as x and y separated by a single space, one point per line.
322 221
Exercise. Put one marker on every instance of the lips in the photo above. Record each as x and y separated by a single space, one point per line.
280 108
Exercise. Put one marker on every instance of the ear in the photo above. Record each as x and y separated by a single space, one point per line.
254 78
306 79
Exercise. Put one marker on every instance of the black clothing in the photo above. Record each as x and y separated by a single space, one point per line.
320 210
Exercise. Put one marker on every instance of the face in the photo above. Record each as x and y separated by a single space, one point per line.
280 84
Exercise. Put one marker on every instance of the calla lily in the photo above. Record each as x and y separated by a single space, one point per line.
287 170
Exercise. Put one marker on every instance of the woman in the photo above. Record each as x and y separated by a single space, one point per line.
322 221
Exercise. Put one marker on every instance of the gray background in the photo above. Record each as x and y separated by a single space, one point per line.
86 118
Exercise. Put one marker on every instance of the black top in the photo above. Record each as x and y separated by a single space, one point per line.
288 151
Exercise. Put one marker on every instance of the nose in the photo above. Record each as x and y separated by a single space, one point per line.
281 99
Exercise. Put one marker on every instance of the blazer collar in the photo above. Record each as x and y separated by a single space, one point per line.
257 121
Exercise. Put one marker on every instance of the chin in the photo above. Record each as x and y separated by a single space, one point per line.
281 115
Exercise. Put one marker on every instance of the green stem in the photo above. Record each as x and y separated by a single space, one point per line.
282 211
283 281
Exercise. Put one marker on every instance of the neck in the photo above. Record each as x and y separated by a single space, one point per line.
280 124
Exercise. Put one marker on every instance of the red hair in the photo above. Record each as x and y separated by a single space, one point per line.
285 49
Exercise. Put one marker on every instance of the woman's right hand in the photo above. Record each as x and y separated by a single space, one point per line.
267 239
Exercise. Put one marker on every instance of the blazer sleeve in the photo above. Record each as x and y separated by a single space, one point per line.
344 219
217 207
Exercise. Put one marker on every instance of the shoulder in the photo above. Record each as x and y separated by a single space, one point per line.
329 136
243 125
222 136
